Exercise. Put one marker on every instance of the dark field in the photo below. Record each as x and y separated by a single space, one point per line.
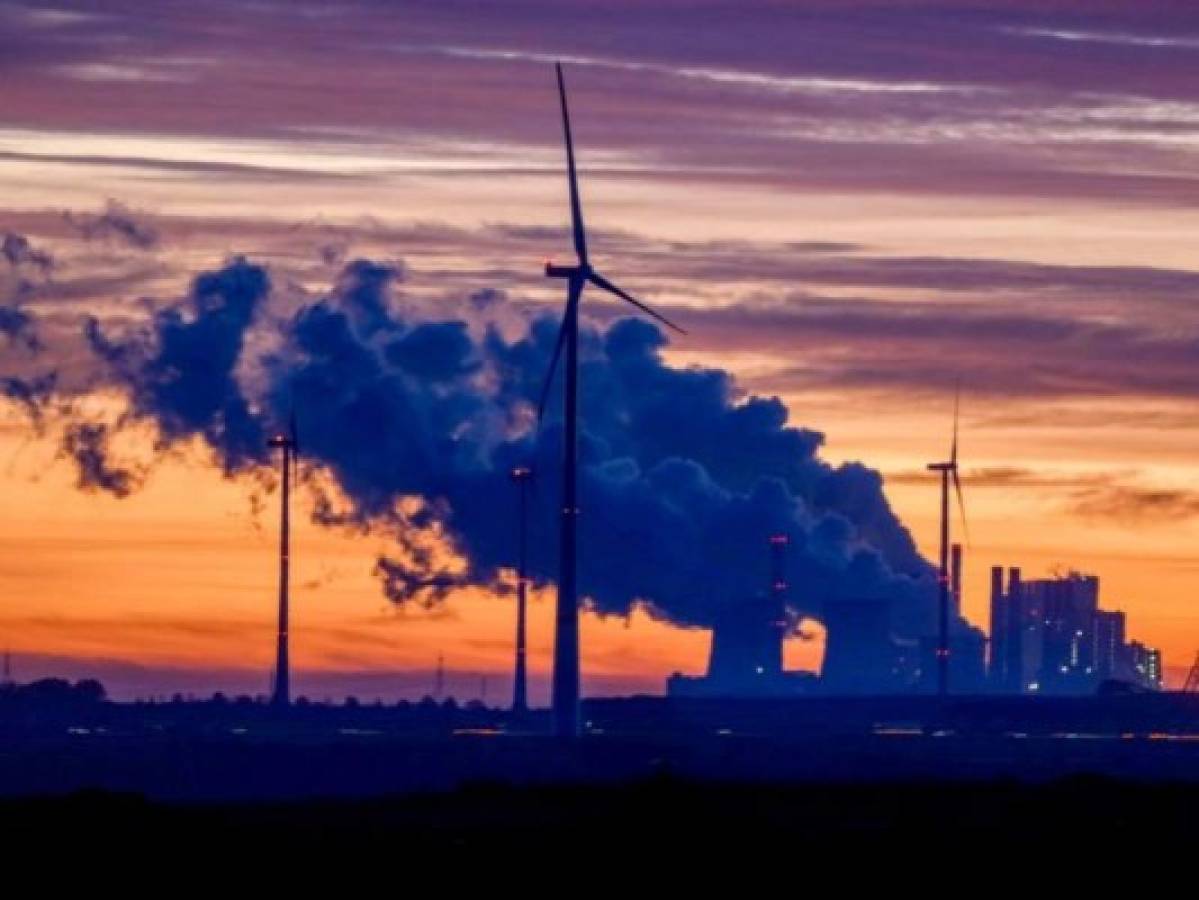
779 782
650 817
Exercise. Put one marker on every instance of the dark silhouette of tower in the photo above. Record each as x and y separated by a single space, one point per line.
520 688
577 276
778 589
439 678
287 443
949 472
860 655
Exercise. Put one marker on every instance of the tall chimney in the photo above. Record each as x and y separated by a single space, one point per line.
520 690
997 656
778 592
281 696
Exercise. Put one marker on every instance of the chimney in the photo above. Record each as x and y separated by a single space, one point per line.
778 579
779 544
996 582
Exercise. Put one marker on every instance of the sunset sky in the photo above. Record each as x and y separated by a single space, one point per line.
851 205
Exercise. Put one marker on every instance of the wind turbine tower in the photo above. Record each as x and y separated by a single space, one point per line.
289 445
577 276
949 472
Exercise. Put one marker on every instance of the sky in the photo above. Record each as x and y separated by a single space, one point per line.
852 206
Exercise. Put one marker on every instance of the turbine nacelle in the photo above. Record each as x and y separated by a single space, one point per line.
556 271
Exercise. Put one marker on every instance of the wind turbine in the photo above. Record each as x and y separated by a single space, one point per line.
520 685
566 620
289 443
949 472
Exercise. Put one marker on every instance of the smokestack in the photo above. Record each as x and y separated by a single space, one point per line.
778 591
281 695
778 565
1013 581
955 578
997 657
520 688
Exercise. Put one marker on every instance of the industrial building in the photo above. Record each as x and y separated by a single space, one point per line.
862 655
746 659
1049 636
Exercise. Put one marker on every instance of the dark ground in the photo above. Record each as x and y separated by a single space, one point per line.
781 784
663 817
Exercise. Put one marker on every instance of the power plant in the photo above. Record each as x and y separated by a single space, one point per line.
1046 636
1049 636
746 657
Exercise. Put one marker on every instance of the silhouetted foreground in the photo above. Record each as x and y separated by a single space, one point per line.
663 818
247 768
56 739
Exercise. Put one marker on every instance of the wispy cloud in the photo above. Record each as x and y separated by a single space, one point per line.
1136 505
1125 39
781 83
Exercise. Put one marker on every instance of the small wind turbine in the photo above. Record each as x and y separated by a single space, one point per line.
577 276
289 443
949 471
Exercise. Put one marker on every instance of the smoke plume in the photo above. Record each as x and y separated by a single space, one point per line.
416 420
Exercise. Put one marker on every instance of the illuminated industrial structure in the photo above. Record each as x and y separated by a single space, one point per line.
1049 636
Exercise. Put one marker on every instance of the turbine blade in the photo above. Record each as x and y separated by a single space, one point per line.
601 282
294 434
576 208
957 487
576 288
953 448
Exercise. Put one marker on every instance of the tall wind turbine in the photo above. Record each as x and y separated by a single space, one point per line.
577 276
949 472
289 444
520 683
